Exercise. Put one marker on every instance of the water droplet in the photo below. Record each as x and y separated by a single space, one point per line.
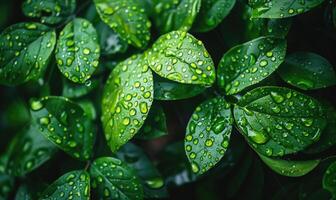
36 105
155 183
194 167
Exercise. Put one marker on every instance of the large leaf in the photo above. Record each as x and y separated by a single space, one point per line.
78 50
281 8
329 179
307 71
25 49
72 185
171 15
249 63
50 11
180 57
65 124
113 179
279 121
208 134
127 98
127 18
212 13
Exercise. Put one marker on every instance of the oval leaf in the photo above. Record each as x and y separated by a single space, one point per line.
65 124
307 71
113 179
247 64
329 179
127 18
279 121
78 50
180 57
127 98
208 133
25 49
73 185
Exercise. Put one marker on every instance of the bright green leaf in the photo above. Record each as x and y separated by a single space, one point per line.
127 98
279 121
247 64
208 134
329 179
25 49
78 51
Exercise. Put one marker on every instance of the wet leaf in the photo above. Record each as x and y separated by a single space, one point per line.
7 184
172 15
113 179
78 50
180 57
127 18
208 134
25 49
72 185
307 71
127 99
65 124
281 9
329 179
212 12
73 90
249 63
279 121
50 11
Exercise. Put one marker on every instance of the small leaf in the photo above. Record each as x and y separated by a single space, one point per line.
65 124
171 15
212 12
50 11
247 64
113 179
127 98
290 168
280 8
180 57
73 90
25 49
78 50
307 71
72 185
329 179
279 121
127 18
208 134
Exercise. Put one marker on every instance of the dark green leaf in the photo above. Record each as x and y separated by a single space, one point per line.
127 98
180 57
25 49
65 124
72 185
6 181
78 50
50 11
73 90
279 121
247 64
208 134
127 18
113 179
307 71
329 179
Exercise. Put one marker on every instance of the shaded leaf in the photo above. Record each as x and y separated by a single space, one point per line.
329 179
73 90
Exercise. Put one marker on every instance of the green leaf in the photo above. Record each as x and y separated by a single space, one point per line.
27 151
247 64
50 11
127 98
329 179
113 179
127 18
171 15
307 71
291 168
65 124
25 49
212 12
280 8
72 185
78 50
7 184
208 134
73 90
180 57
279 121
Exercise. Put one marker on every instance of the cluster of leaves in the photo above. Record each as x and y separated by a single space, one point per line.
279 120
